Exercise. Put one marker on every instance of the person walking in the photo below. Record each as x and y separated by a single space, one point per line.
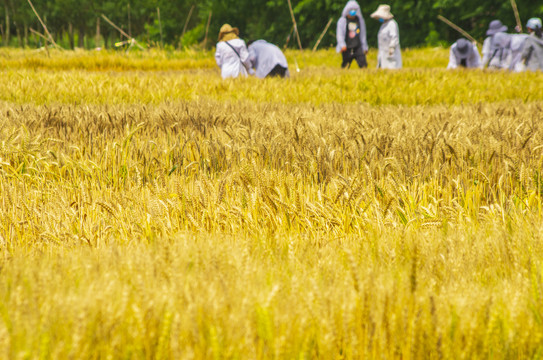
389 55
267 60
465 54
351 36
532 54
231 54
496 46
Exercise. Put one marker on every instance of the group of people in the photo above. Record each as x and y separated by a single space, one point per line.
515 52
260 58
352 41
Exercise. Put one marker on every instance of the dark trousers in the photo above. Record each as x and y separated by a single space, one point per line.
278 70
354 54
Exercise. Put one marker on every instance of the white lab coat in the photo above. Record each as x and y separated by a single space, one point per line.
474 61
389 37
230 63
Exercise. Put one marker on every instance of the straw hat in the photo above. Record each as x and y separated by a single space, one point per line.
382 12
495 27
227 32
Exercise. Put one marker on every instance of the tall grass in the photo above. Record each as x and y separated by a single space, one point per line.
314 86
474 293
338 214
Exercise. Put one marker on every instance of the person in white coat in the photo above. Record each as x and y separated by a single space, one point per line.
465 54
231 54
267 60
388 39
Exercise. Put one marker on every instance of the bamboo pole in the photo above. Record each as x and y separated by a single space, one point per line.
160 27
295 26
121 31
6 39
517 16
322 35
115 26
97 40
457 28
288 38
42 24
187 21
207 28
42 36
129 20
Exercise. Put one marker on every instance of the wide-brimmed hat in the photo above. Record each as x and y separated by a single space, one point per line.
382 12
463 48
495 27
227 29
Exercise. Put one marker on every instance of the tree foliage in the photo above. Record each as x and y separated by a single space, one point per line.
78 22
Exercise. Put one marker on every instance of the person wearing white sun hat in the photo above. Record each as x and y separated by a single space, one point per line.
388 39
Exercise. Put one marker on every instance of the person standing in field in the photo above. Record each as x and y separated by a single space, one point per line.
496 46
465 54
231 54
532 53
388 39
351 36
267 60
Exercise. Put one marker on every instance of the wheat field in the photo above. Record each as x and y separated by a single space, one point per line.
151 210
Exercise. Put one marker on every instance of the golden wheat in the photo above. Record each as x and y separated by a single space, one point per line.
339 214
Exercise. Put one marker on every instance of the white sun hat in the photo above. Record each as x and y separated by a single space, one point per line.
382 12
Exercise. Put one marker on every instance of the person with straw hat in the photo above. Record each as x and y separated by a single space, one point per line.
351 36
389 55
231 53
465 54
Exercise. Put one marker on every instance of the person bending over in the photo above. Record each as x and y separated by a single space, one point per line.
267 60
464 54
